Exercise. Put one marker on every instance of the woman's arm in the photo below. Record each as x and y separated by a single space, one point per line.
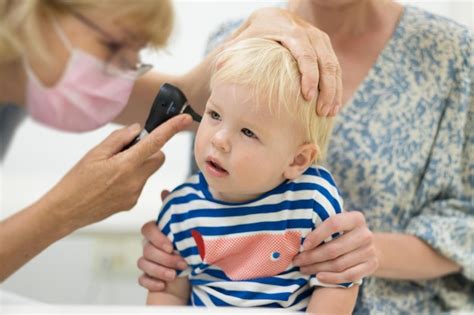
359 253
104 182
333 300
177 293
404 256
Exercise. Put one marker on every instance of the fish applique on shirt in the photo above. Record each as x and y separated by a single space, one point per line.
249 256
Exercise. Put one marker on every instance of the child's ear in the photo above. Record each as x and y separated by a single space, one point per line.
304 157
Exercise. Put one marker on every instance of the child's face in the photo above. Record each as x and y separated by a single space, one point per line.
241 150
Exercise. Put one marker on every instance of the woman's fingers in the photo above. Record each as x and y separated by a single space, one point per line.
342 245
311 48
349 257
153 235
166 260
330 73
158 260
307 60
342 263
156 271
342 222
151 284
349 275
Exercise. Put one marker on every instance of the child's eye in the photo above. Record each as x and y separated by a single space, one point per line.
214 115
248 133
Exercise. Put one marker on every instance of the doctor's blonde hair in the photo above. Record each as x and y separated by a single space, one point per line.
21 21
271 70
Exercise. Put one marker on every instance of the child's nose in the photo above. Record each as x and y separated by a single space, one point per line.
221 141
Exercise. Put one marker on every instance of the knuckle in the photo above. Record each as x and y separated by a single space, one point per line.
367 236
148 251
324 36
130 203
359 217
371 253
352 276
338 265
305 58
333 224
332 251
331 66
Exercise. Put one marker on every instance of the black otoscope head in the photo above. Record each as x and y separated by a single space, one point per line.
169 102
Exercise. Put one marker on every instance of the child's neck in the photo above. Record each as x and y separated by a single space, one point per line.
233 198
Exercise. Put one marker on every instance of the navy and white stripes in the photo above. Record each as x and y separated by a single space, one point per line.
264 228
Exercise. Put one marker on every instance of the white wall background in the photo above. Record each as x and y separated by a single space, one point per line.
97 265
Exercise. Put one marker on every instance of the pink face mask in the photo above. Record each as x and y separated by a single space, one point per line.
83 99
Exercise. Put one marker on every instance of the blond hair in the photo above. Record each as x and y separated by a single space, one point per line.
20 21
272 71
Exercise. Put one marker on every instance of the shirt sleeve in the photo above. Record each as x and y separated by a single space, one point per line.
164 222
446 210
327 202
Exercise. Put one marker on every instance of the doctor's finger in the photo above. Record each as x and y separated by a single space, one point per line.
158 138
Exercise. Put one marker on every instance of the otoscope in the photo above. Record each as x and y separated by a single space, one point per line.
169 102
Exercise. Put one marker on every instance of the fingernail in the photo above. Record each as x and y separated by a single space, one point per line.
182 265
160 286
168 248
325 110
335 110
169 274
186 117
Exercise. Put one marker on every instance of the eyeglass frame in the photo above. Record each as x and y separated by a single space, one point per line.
114 46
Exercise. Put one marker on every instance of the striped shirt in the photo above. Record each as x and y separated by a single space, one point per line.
240 254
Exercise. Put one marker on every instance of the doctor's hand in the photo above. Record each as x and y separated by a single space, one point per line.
347 258
311 48
106 180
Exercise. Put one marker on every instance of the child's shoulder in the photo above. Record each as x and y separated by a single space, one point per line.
192 185
316 174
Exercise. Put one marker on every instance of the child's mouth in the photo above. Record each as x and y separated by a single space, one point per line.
215 169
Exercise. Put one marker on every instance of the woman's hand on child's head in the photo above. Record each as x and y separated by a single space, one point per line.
347 258
158 261
311 48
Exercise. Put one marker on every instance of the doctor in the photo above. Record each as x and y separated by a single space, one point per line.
74 65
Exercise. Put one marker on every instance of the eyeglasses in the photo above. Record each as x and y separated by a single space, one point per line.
117 63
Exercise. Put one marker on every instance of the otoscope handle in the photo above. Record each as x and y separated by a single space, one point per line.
169 102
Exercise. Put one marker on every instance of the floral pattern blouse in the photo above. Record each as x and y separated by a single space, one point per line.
402 152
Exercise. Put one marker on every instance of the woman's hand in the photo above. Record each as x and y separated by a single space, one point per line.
311 48
158 261
106 180
347 258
